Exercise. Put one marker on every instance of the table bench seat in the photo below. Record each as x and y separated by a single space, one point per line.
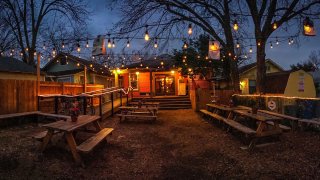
230 122
56 116
136 116
92 142
215 116
40 135
283 127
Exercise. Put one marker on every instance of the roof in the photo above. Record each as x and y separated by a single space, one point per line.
273 85
9 64
247 67
164 62
96 67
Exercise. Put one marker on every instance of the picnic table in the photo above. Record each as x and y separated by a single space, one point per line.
222 109
68 128
137 112
263 121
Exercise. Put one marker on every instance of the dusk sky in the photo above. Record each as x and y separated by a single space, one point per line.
103 19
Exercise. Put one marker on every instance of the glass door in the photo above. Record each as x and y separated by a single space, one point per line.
164 85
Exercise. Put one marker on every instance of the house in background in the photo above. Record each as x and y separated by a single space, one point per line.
11 68
154 77
291 84
248 75
69 68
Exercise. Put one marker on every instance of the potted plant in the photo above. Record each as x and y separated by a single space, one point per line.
74 112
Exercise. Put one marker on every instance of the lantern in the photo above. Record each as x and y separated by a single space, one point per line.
308 28
214 50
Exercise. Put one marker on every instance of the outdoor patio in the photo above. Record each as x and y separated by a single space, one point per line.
179 145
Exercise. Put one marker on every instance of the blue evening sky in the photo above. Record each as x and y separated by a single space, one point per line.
103 20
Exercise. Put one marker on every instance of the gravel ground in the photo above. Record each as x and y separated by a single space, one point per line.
181 145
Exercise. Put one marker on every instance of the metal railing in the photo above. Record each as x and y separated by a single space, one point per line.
86 100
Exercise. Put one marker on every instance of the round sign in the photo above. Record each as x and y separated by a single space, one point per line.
272 105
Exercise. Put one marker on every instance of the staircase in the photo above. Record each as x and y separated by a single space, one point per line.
169 102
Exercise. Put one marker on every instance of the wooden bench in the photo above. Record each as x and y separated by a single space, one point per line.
308 122
40 135
136 116
283 127
230 122
239 127
213 115
14 115
93 141
55 116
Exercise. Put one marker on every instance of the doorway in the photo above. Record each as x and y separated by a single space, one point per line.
164 85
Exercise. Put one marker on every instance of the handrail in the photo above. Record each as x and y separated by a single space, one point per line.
89 94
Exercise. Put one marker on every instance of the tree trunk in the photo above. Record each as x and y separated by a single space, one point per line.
261 68
235 75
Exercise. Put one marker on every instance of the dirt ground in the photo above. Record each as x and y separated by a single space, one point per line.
181 145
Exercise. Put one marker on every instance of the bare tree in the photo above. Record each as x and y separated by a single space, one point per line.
26 18
171 18
266 14
6 38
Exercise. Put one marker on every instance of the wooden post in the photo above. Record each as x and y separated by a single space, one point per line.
100 105
85 80
112 104
38 74
120 98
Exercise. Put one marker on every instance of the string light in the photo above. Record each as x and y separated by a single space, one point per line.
78 47
146 36
87 44
128 43
21 53
274 26
109 42
235 25
190 29
161 63
289 41
113 43
271 46
44 46
156 43
78 64
250 50
62 45
53 51
185 45
238 45
277 41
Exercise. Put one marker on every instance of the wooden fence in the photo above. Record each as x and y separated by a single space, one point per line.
21 95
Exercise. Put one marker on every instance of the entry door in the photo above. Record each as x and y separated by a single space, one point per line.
164 85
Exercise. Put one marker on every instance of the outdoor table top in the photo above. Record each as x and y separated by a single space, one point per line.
146 103
259 116
136 107
70 126
224 107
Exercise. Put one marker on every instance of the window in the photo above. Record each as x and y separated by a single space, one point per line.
268 68
64 79
133 81
252 86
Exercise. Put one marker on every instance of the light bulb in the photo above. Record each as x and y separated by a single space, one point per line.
271 46
238 45
62 45
78 47
274 26
190 29
250 50
54 51
156 44
146 36
128 44
87 45
185 45
109 43
78 64
113 44
235 25
277 42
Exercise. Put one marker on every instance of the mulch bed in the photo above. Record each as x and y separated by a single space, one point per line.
180 145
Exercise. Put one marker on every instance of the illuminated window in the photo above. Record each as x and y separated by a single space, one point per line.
134 81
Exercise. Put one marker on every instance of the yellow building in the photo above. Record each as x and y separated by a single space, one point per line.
11 68
248 74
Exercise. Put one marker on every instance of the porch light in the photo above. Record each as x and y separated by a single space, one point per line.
172 72
137 73
190 29
308 27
